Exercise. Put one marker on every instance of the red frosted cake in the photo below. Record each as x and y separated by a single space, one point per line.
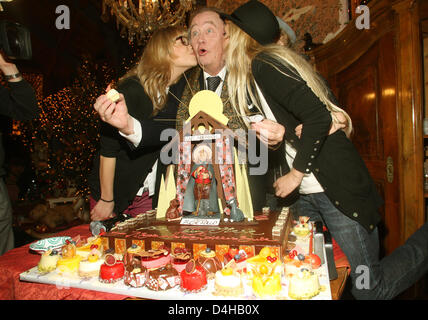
193 277
112 270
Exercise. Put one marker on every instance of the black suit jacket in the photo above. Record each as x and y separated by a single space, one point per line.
333 159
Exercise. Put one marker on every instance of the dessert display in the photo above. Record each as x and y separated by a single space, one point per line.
111 270
163 278
302 228
303 285
193 277
180 258
48 261
209 261
264 270
228 282
70 261
91 266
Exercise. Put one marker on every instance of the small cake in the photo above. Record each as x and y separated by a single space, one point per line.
48 261
111 270
90 267
228 283
70 261
135 273
264 271
180 258
153 259
303 285
302 229
209 261
240 257
113 95
193 277
91 244
163 278
293 263
132 251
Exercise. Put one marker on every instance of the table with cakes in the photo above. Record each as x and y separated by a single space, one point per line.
272 257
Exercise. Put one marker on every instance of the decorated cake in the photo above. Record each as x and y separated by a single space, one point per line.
91 266
228 283
86 249
180 258
163 278
303 285
193 277
155 258
302 228
264 270
70 261
48 261
135 272
209 261
111 270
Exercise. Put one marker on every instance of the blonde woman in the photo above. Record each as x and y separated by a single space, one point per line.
124 181
332 179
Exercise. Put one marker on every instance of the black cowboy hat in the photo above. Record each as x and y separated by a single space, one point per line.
257 21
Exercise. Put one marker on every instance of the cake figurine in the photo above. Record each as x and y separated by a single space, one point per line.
228 282
193 277
180 258
90 267
163 278
264 271
303 285
48 261
135 272
209 261
111 270
302 228
70 261
153 259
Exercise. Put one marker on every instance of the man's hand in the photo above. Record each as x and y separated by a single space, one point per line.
286 184
102 211
269 132
115 113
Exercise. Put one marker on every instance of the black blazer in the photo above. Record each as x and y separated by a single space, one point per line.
333 159
132 165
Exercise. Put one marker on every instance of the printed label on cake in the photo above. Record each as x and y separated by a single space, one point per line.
200 222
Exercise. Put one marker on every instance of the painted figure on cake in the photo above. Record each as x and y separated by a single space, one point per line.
201 197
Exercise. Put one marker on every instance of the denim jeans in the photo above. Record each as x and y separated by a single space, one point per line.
387 277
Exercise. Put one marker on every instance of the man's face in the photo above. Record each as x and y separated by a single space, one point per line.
207 37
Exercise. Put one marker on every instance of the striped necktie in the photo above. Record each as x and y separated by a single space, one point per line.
213 83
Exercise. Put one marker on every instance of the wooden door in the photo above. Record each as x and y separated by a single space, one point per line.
367 91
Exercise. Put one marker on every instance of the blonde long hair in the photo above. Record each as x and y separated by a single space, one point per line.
242 49
155 66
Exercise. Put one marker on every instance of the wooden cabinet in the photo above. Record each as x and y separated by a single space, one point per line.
377 76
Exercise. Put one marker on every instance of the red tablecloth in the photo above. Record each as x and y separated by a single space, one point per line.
21 259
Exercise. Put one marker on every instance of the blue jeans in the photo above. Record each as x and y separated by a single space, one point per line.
386 278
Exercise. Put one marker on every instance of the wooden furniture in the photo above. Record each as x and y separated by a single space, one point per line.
377 76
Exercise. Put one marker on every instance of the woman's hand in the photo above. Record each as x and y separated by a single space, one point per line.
287 183
102 211
115 113
343 123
